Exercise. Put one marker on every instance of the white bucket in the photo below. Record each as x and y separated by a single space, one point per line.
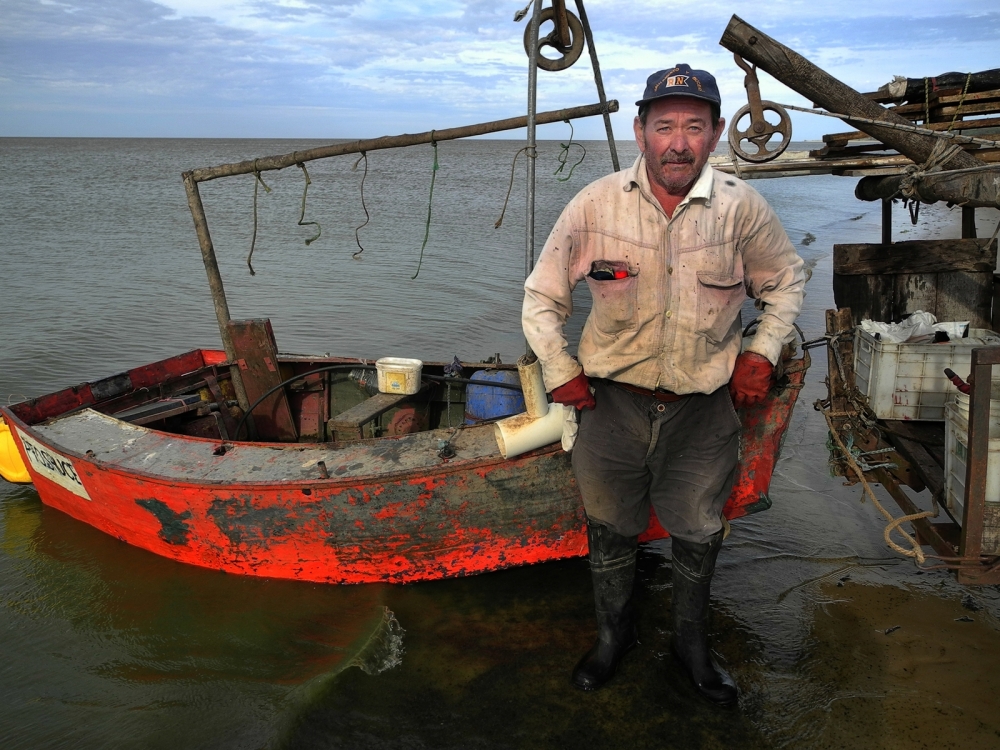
399 375
962 404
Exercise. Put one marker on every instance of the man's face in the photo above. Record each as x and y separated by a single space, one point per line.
677 139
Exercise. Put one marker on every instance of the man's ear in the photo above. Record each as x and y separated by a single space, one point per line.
640 138
719 130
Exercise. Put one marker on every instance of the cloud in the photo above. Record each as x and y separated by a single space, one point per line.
366 67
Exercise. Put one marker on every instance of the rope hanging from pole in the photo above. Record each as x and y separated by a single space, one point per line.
564 155
510 187
258 180
430 203
302 213
363 157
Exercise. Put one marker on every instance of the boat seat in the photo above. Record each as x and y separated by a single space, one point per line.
160 409
348 425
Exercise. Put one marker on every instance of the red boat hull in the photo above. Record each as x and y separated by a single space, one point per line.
456 518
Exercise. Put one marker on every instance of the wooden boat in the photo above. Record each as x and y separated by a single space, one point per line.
142 456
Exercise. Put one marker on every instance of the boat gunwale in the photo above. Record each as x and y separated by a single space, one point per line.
445 467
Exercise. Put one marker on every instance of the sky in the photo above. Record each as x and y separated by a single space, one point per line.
364 68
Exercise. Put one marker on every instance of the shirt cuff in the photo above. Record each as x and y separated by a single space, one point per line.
767 345
559 370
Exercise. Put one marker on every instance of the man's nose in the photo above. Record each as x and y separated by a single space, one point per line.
677 143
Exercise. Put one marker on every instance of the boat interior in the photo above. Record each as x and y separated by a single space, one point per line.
294 398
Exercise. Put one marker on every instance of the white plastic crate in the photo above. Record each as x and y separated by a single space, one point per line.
956 451
907 381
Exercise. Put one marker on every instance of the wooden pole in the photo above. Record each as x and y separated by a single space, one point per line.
837 322
979 188
215 283
268 163
600 83
917 89
817 85
886 221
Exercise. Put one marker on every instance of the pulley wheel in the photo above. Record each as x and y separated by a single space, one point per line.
569 54
760 133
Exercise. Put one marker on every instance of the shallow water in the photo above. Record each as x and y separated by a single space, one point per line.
835 641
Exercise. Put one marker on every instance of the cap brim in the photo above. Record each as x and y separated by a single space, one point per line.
689 94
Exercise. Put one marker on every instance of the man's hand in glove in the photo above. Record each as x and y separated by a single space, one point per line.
575 393
752 378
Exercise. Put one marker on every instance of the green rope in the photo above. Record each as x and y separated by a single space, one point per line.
253 240
564 155
430 201
302 213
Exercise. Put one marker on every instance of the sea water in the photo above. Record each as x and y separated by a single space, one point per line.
835 641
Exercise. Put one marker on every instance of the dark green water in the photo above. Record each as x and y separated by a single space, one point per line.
103 645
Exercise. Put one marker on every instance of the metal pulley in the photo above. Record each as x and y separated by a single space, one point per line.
759 132
566 38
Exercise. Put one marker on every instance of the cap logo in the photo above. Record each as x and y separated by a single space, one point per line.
677 80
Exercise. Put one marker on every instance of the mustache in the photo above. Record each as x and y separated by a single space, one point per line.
685 157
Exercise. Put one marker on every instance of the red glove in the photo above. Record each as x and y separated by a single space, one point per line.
752 378
575 393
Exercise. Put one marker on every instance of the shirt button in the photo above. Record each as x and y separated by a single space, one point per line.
670 269
668 313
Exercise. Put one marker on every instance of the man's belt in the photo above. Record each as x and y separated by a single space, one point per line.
659 394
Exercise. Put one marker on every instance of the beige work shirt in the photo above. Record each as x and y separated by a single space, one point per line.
674 321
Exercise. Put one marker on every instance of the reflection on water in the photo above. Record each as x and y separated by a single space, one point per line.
108 646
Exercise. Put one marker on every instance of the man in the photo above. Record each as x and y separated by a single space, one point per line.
669 249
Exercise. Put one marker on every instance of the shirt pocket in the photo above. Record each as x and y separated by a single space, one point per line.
720 296
614 307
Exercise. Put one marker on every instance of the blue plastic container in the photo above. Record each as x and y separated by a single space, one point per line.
486 402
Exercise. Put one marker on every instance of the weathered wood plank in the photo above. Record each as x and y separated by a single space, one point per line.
257 359
351 421
965 296
913 292
923 460
867 296
838 321
915 256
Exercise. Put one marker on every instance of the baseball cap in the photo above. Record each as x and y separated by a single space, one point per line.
681 80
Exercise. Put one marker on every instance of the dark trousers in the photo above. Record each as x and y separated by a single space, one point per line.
681 456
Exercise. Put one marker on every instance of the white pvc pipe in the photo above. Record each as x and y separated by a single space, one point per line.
522 433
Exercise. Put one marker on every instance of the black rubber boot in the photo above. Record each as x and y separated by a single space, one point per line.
612 568
693 567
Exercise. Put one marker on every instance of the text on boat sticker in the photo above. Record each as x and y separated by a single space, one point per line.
53 466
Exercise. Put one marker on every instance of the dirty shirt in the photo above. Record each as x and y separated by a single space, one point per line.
667 292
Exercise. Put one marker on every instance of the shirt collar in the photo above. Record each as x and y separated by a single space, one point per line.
702 188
